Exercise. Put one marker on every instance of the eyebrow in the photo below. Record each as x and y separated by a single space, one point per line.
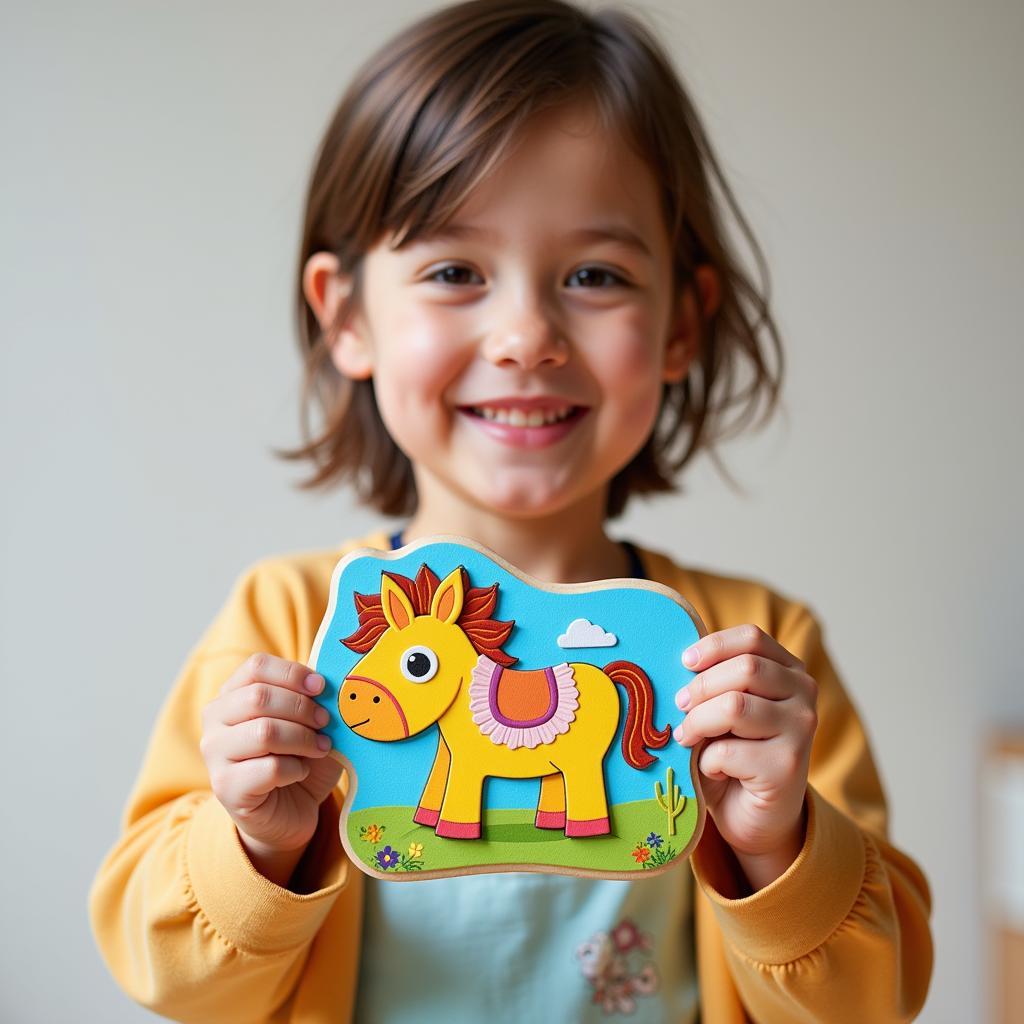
597 233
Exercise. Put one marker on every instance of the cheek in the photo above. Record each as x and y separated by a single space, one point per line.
418 357
629 364
627 340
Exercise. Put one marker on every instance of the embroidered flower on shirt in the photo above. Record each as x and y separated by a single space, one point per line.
611 963
646 981
626 936
594 956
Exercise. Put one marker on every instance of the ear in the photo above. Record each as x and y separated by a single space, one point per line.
447 603
397 609
683 343
325 287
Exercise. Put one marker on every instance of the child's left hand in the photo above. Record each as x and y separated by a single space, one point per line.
759 699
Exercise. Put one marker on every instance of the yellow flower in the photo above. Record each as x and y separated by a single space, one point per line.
415 851
373 833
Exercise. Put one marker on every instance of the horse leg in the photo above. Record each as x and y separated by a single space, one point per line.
460 809
429 808
586 801
551 805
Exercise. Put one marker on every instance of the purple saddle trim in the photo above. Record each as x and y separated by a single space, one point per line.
483 704
492 697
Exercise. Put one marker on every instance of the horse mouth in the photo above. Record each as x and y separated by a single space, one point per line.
356 725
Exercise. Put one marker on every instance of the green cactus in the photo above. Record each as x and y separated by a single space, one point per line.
672 806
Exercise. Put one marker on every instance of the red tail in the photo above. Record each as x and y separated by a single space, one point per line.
639 732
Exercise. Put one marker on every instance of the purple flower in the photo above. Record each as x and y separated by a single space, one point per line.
387 858
654 840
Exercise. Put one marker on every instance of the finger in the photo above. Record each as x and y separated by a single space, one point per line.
774 761
264 736
250 781
727 643
742 714
264 700
267 668
750 673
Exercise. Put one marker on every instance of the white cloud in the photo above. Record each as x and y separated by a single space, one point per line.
584 633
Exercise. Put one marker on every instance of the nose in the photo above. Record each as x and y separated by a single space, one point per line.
526 336
370 710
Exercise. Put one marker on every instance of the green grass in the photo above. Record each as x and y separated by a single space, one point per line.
510 837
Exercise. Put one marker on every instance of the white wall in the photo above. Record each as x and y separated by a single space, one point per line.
154 160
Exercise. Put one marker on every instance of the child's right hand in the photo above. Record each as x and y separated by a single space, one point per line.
268 764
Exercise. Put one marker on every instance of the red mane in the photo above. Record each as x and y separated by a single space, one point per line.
485 633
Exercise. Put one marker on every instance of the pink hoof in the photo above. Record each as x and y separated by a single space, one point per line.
587 827
457 829
550 819
425 816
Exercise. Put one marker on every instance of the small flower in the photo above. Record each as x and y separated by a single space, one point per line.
372 833
593 956
618 971
625 934
654 840
415 851
646 981
641 854
387 858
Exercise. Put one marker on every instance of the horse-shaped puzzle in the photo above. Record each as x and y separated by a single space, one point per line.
459 763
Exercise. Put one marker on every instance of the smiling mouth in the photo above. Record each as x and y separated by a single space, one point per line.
517 428
356 726
532 419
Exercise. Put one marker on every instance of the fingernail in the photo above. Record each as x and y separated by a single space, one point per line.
314 683
678 733
683 698
320 716
323 742
691 656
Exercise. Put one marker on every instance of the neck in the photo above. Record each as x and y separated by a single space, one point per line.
569 545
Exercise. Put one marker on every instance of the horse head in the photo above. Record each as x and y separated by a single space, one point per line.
414 671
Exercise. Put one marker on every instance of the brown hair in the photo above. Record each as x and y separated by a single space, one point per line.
485 633
425 119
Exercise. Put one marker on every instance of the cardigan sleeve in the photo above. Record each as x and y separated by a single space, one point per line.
843 934
185 923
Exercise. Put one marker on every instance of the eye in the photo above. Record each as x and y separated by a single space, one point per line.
453 273
419 664
591 276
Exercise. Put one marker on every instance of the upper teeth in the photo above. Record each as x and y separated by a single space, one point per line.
522 418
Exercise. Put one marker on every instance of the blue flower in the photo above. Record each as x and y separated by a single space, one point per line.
387 858
654 840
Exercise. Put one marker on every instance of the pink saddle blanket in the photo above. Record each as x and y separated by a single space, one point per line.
522 708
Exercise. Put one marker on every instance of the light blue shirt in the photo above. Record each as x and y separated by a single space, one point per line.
528 947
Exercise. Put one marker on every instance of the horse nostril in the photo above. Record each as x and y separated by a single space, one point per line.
351 696
376 700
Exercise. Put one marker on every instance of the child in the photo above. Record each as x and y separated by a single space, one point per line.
520 309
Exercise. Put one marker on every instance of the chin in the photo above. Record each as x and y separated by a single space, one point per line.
525 500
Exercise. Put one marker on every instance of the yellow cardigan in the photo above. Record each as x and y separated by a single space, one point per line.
191 930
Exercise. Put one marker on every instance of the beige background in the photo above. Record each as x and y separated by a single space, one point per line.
154 160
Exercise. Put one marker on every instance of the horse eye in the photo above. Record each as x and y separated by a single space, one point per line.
419 664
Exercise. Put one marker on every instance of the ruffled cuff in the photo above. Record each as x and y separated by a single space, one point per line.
796 913
246 909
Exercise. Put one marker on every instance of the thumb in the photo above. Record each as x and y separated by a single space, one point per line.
324 773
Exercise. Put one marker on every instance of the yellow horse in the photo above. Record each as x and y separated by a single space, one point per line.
432 653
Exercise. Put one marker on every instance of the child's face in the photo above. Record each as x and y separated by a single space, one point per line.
522 304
